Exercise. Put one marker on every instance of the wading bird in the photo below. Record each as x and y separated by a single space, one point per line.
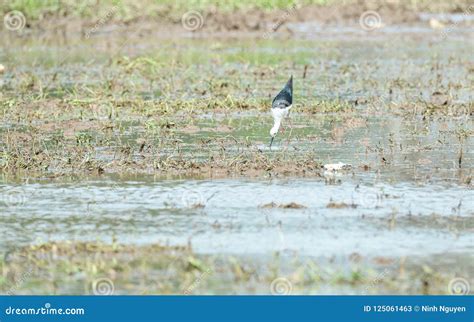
281 106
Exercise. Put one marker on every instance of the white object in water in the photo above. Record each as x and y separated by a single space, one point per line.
337 166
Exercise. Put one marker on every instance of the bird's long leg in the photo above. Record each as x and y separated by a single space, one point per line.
289 138
290 122
290 125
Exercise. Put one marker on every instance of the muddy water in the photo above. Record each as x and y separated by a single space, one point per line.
234 216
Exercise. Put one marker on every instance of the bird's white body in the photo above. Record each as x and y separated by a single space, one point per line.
278 115
281 106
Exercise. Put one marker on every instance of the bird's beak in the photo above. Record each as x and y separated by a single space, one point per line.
271 141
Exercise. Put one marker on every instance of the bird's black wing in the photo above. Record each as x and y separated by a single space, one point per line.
285 97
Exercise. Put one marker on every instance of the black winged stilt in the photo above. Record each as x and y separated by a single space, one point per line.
281 106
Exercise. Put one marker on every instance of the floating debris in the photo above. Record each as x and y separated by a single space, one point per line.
340 205
291 205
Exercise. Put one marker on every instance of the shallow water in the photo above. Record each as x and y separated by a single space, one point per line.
380 146
226 216
411 147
